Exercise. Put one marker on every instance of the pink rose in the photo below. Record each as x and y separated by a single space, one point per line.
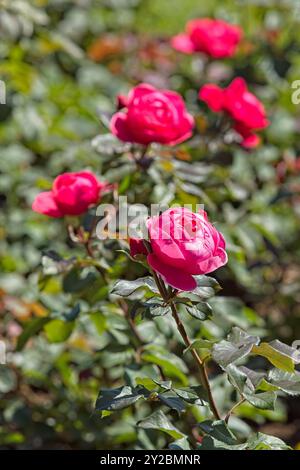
184 244
216 38
71 194
242 106
152 116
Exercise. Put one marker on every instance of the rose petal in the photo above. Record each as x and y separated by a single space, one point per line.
213 263
237 88
183 43
213 96
122 101
119 128
45 203
251 141
243 106
138 91
174 277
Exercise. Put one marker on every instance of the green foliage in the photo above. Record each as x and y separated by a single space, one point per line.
78 327
219 437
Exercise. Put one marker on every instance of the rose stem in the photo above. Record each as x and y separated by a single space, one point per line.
200 363
187 342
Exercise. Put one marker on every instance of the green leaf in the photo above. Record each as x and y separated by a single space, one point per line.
165 384
77 281
254 378
72 314
171 364
220 438
34 327
194 395
127 254
232 311
263 401
147 376
126 288
58 330
262 441
158 310
280 355
154 307
107 144
211 443
219 431
116 356
158 420
200 344
119 398
171 400
237 377
146 382
207 287
246 381
167 366
180 444
104 118
8 380
288 383
238 345
201 310
54 264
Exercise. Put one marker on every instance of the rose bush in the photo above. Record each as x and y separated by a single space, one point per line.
83 317
216 38
152 116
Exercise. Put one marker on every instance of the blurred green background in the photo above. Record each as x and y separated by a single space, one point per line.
63 63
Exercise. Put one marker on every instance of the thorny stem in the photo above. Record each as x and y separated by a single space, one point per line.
201 365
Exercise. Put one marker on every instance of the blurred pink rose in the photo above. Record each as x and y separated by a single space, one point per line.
242 106
152 116
184 244
71 194
215 38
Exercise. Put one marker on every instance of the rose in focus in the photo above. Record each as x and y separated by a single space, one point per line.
71 194
152 115
215 38
247 112
184 244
